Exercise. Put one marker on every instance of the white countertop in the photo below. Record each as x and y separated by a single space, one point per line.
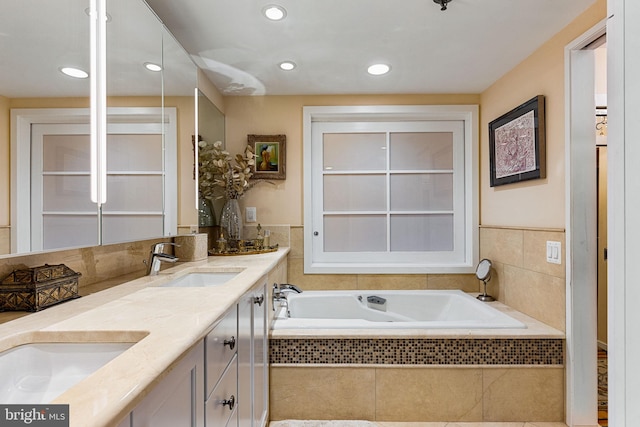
166 322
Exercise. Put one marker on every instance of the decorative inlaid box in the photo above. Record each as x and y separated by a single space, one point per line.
36 288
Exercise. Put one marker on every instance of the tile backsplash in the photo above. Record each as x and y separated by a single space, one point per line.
96 263
522 278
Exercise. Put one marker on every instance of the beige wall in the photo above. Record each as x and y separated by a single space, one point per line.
187 213
536 203
518 219
210 91
268 115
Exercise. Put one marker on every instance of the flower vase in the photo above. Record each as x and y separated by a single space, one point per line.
231 220
205 213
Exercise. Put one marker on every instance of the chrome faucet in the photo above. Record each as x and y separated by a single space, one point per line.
280 296
157 257
288 287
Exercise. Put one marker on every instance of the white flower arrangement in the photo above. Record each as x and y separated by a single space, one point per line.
218 176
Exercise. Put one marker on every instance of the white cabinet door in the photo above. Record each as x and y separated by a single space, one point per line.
223 403
245 310
260 362
252 367
178 401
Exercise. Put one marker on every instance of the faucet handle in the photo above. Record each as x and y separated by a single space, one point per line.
289 287
159 247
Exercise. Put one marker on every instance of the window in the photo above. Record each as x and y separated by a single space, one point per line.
390 189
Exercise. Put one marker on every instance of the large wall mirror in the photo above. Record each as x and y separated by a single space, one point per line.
211 129
44 184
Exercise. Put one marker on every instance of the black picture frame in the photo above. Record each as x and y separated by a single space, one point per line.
517 145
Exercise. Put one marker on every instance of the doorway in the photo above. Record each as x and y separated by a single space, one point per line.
603 359
582 229
599 48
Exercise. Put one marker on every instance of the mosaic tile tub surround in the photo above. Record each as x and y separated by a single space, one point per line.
417 379
417 351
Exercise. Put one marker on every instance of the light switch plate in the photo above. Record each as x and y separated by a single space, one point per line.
553 252
250 214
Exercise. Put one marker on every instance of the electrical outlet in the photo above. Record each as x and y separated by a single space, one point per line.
553 252
250 214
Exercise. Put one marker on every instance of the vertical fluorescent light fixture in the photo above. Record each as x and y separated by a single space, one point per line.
196 152
98 17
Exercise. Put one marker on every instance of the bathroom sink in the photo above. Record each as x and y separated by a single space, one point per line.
39 372
201 279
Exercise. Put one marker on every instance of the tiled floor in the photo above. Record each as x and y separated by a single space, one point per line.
337 423
603 394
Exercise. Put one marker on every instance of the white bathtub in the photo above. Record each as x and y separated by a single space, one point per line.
402 310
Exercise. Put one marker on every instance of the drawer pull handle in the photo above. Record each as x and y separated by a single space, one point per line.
258 300
231 343
231 402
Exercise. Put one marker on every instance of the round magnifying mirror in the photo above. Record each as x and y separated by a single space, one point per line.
483 271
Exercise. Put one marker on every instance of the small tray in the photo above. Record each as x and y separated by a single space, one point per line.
245 251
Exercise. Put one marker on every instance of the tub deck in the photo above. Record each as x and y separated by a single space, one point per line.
534 329
535 345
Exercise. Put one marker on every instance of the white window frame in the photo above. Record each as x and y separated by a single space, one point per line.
467 114
21 121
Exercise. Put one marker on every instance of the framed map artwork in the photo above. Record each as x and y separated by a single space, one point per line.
517 150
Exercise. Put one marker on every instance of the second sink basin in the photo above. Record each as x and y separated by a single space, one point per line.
201 279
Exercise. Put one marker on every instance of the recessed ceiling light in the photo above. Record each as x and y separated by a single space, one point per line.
287 65
74 72
274 12
152 67
378 69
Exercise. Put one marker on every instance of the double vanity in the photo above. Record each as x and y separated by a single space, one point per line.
186 345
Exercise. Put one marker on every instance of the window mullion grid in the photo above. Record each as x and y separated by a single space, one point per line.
388 189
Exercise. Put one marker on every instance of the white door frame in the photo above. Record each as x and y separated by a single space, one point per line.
623 86
581 234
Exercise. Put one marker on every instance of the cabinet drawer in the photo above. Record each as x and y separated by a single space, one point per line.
223 402
220 346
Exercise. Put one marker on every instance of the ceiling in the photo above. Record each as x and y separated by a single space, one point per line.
461 50
38 37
